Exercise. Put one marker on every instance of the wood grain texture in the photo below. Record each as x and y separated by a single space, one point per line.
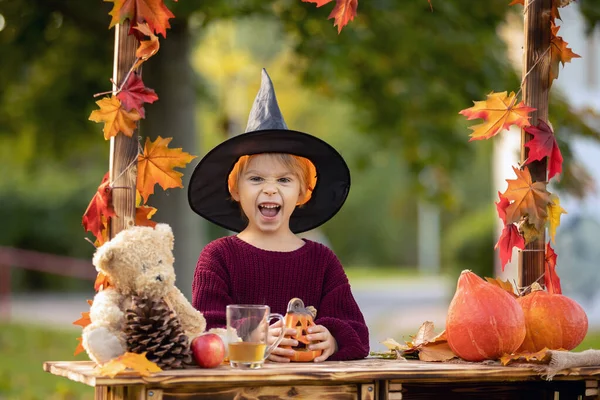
334 392
536 86
361 371
495 391
123 149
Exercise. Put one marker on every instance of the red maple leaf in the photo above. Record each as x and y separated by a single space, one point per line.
501 207
550 276
134 94
100 206
509 238
543 145
343 12
153 12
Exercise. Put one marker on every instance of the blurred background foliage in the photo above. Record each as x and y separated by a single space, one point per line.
385 92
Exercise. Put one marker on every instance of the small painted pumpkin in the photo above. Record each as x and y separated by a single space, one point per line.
300 318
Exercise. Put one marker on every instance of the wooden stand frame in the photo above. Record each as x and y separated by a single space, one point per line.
370 379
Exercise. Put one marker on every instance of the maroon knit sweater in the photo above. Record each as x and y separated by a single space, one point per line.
231 271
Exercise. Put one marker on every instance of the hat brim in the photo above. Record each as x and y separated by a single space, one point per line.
209 196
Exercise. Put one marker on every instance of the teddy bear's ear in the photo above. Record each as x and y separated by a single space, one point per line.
166 230
103 258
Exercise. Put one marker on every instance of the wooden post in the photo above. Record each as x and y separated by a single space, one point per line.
536 85
123 149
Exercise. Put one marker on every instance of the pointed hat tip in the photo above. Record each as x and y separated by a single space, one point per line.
265 112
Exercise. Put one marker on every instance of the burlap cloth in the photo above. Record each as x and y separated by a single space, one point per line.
558 361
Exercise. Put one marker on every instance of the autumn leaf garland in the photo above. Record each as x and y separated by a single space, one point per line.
526 207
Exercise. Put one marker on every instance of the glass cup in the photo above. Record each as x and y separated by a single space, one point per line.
247 334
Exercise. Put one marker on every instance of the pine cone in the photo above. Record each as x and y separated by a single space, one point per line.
152 327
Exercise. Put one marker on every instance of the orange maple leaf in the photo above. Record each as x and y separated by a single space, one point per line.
154 12
499 112
156 165
527 198
540 357
136 362
79 347
505 285
84 320
147 48
100 207
102 282
559 52
143 215
343 12
115 118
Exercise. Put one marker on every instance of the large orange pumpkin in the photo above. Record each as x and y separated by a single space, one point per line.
301 318
552 320
484 321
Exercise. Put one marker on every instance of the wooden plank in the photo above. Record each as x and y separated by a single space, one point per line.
394 396
154 394
367 391
362 371
328 392
395 387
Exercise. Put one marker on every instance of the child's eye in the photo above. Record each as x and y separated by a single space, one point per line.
285 180
255 179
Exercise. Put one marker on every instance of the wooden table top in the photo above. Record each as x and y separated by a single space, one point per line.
332 371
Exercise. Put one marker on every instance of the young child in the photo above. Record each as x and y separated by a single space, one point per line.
269 184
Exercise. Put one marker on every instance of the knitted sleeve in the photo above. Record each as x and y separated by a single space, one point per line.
340 314
210 288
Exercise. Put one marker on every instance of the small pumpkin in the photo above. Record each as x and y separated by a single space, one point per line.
300 318
552 320
484 321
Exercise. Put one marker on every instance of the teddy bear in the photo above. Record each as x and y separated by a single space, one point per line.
137 262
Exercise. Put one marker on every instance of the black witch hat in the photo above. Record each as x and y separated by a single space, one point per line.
267 132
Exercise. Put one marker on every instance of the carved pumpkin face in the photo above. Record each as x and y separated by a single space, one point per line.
301 322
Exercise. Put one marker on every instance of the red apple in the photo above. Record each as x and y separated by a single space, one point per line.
208 350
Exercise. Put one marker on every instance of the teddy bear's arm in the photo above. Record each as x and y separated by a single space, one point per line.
106 309
192 320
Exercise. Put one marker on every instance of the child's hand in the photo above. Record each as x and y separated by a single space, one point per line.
326 341
278 354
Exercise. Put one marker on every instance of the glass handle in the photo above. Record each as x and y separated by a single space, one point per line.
280 338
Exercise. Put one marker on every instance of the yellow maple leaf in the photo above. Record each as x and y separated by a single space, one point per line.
115 118
527 198
530 232
554 211
505 285
540 357
156 165
436 352
136 362
499 112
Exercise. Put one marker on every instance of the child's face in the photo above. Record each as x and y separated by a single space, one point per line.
268 193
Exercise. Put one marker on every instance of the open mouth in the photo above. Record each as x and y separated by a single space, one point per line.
269 210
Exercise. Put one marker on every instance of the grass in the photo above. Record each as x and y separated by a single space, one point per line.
23 349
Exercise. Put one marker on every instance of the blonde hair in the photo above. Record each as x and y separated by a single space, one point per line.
302 167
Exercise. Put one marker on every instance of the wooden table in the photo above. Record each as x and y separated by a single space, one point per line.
372 379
